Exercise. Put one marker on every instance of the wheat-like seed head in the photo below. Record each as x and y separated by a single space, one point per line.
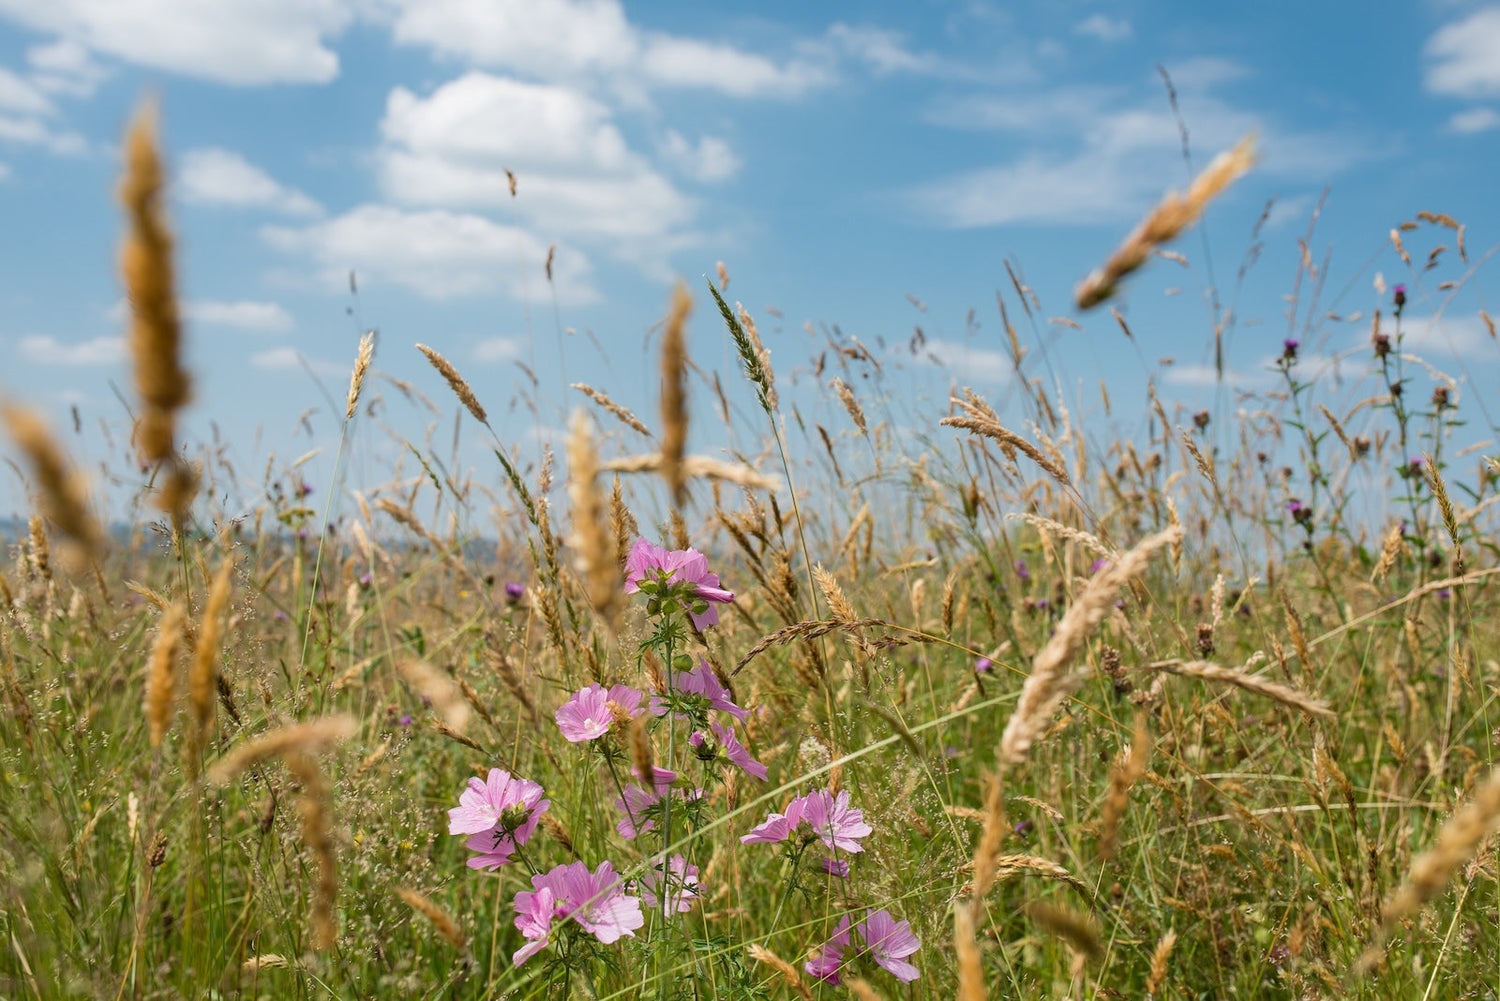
456 383
62 491
361 368
674 412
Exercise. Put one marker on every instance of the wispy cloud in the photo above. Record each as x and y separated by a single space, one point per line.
214 176
497 349
45 349
1104 28
967 362
1463 58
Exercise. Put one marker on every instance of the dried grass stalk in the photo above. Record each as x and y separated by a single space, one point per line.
851 405
62 491
622 414
1172 215
361 368
204 669
838 605
1456 844
1390 548
593 550
1241 678
971 986
1091 542
161 671
1049 682
1159 957
694 467
862 990
788 972
316 807
456 383
146 260
674 413
445 925
1126 770
440 689
305 738
1445 508
982 420
1076 928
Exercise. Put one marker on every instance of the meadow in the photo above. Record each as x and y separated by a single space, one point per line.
966 709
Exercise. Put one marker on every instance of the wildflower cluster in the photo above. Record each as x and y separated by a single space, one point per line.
614 724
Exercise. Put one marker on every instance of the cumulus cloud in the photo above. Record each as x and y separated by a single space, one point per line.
64 67
214 176
1463 58
241 42
972 364
1104 28
47 350
497 349
558 40
576 174
1474 120
437 254
710 159
267 317
1098 152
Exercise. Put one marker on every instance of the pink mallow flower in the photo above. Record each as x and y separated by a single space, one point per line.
642 806
730 744
777 826
825 965
596 900
699 685
889 942
648 561
682 886
881 937
501 813
834 821
592 713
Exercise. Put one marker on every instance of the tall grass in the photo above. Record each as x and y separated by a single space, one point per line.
1145 717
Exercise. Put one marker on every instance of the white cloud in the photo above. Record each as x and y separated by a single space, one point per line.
21 96
4 171
268 317
47 350
290 359
1474 120
1464 57
35 132
497 349
1104 28
1099 154
710 160
1463 336
575 173
241 42
64 67
213 176
882 50
436 254
971 364
558 40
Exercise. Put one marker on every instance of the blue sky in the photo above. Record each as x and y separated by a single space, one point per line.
870 166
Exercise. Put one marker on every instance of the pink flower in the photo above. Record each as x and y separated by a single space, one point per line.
730 744
651 562
500 813
825 965
700 688
590 715
889 943
596 900
642 806
836 867
834 821
682 886
777 826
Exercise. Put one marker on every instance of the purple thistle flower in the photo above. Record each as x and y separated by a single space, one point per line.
514 591
890 942
984 665
501 814
834 821
1021 570
648 561
595 710
596 900
682 886
1098 565
1289 349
